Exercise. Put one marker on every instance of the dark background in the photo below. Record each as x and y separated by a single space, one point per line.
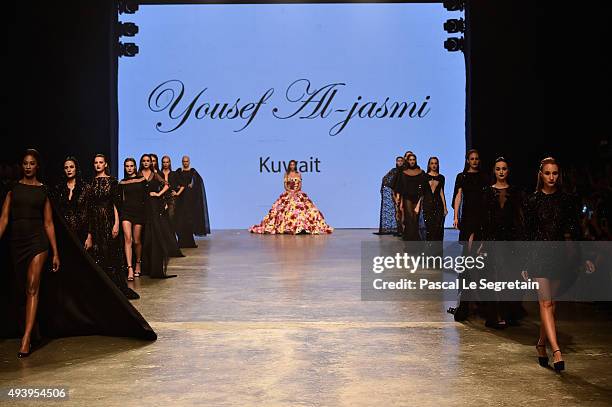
538 82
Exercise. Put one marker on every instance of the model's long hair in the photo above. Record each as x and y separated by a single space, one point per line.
429 163
466 165
34 153
289 167
548 160
106 170
169 160
127 160
140 163
156 166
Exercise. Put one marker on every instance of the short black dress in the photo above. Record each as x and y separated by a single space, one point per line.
552 221
133 195
28 236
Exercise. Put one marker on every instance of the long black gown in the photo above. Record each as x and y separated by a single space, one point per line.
410 187
470 210
388 213
502 225
155 249
191 208
72 208
79 299
168 205
433 208
102 197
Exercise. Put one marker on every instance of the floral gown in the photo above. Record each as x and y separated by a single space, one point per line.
293 213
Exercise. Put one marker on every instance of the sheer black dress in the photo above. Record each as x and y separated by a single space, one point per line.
155 249
388 213
433 208
79 299
553 219
470 210
72 207
503 224
410 187
102 197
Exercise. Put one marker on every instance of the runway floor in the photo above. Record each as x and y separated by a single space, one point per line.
279 321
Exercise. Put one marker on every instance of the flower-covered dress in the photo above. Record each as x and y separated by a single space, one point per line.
293 213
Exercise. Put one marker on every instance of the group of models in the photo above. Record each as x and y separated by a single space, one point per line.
106 232
494 211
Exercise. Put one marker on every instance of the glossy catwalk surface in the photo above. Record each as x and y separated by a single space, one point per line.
278 321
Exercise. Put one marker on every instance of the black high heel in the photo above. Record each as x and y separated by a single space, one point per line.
130 278
542 360
135 273
560 365
25 354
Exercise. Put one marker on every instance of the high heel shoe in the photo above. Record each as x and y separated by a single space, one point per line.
542 360
25 354
130 278
560 365
137 274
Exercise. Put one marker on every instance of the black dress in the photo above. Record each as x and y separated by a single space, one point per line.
72 208
155 249
433 208
191 209
132 198
470 211
102 197
79 299
410 187
388 215
553 219
503 225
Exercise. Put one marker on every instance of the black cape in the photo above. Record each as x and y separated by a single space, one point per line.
79 299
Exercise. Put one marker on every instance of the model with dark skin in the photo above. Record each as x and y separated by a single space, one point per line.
30 168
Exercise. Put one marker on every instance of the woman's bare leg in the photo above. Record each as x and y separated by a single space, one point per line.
32 289
137 239
547 314
127 246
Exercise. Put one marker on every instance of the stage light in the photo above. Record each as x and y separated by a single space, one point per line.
127 49
454 5
126 29
454 25
453 44
127 7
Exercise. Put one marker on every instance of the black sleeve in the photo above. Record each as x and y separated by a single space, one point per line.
458 185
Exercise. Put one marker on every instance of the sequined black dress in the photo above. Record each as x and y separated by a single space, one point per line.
433 208
553 219
102 197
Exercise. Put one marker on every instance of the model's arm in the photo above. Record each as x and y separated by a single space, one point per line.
456 204
4 216
50 230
